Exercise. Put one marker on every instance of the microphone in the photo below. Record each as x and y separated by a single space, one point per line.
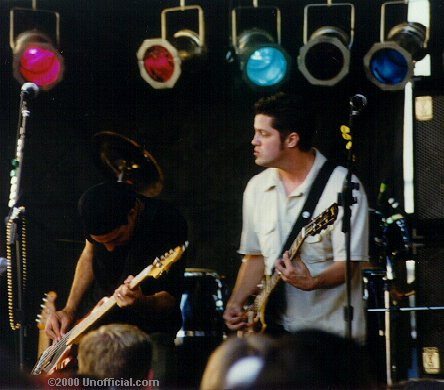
357 103
29 90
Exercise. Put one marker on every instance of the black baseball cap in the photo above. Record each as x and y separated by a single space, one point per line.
105 206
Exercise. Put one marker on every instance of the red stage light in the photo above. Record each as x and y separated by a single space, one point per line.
159 63
37 61
40 66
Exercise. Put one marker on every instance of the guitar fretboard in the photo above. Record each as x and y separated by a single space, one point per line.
272 281
314 227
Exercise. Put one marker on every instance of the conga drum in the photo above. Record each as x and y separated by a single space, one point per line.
202 306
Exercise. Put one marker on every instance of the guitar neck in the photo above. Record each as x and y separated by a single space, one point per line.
274 279
294 249
97 313
102 308
154 270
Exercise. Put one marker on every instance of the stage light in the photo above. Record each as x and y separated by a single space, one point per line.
263 61
160 59
159 63
390 63
35 57
325 57
37 61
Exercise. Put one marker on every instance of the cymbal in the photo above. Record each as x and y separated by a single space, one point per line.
120 157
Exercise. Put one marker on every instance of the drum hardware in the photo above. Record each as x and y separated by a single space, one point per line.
388 310
124 159
203 329
202 305
418 308
371 289
391 247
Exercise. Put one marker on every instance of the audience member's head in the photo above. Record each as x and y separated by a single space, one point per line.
115 351
230 351
311 359
423 384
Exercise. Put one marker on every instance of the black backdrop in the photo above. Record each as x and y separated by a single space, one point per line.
199 131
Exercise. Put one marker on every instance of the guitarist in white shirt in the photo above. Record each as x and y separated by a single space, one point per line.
315 285
125 233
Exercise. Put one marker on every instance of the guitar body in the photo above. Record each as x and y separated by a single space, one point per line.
259 312
59 355
48 307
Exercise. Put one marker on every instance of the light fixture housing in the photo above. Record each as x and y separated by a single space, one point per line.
390 64
160 59
325 57
36 58
159 63
263 61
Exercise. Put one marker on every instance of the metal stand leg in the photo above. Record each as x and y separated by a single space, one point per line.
387 334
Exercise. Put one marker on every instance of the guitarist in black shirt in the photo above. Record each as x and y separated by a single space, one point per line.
125 233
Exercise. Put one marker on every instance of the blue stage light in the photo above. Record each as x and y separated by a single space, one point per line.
263 62
390 64
266 66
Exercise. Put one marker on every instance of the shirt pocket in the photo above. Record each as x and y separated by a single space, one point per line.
315 249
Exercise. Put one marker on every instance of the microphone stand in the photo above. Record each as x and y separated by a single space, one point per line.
16 244
346 200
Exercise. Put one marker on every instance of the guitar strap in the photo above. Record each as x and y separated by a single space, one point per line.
310 203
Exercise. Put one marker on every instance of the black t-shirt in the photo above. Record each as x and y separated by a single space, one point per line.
159 228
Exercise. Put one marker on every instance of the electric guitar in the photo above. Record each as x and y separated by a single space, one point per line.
48 307
54 356
256 312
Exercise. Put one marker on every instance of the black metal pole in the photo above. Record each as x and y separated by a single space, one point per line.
346 200
28 91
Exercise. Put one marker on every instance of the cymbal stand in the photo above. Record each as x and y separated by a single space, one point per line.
387 321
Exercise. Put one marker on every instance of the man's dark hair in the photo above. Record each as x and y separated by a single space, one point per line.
290 114
105 206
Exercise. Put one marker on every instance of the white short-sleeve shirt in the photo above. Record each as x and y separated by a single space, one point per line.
268 216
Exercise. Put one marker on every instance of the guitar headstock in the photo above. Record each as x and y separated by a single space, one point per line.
48 307
164 263
322 221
